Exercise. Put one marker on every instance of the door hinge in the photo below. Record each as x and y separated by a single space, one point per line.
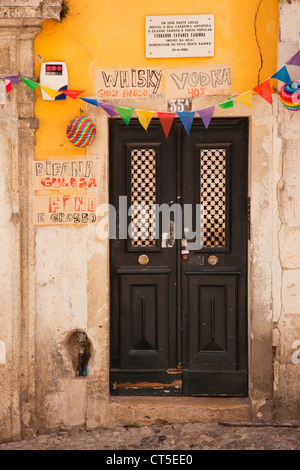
248 216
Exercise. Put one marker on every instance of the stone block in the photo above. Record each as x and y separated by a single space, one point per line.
288 27
289 124
291 291
290 205
67 404
26 109
22 9
288 391
4 59
289 328
291 156
289 242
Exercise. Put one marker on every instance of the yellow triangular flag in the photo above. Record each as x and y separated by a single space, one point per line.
245 98
50 92
144 117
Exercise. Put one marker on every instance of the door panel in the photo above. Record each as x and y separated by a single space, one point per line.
179 322
144 322
212 329
144 335
214 291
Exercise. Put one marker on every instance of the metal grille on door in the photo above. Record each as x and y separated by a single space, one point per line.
213 196
143 197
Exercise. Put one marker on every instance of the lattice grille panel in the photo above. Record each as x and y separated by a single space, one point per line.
143 197
213 196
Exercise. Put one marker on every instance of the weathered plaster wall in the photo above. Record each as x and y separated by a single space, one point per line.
72 265
55 280
19 24
287 320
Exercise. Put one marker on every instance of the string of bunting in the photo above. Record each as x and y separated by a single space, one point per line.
166 118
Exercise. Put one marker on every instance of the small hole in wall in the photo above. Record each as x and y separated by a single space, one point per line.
64 10
79 349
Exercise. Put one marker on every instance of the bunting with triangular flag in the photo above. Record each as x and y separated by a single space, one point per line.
8 85
206 114
30 83
89 100
166 120
264 90
144 117
13 78
9 80
282 75
245 98
295 59
226 104
125 113
72 93
50 92
187 119
108 108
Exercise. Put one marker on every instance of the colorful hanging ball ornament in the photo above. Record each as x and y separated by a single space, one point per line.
81 131
290 95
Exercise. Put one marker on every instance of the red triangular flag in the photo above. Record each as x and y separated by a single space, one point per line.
8 85
264 90
166 120
72 93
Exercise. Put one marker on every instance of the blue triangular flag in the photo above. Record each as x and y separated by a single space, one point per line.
89 100
282 75
187 120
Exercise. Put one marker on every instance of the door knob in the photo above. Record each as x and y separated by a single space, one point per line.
212 260
143 259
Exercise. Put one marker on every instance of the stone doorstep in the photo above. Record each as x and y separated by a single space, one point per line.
141 411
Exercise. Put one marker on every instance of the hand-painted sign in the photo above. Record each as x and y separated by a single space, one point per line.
198 81
64 174
64 210
129 83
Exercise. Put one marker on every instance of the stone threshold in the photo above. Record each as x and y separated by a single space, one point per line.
142 411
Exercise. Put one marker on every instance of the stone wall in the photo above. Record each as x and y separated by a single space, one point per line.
20 22
287 316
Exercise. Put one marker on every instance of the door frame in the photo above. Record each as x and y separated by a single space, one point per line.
128 380
263 262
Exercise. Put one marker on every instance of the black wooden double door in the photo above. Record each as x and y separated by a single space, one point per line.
178 287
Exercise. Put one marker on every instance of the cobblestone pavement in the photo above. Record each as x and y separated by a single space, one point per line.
190 436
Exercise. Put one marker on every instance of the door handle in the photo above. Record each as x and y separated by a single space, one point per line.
184 251
172 234
168 239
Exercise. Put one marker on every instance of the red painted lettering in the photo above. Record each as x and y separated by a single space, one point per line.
46 182
92 183
66 203
53 204
92 204
80 203
82 183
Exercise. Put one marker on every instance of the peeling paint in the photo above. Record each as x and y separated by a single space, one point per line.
2 353
147 385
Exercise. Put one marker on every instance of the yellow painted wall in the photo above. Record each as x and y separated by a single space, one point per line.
103 34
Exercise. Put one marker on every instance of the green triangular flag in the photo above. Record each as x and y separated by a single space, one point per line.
227 104
125 114
32 85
